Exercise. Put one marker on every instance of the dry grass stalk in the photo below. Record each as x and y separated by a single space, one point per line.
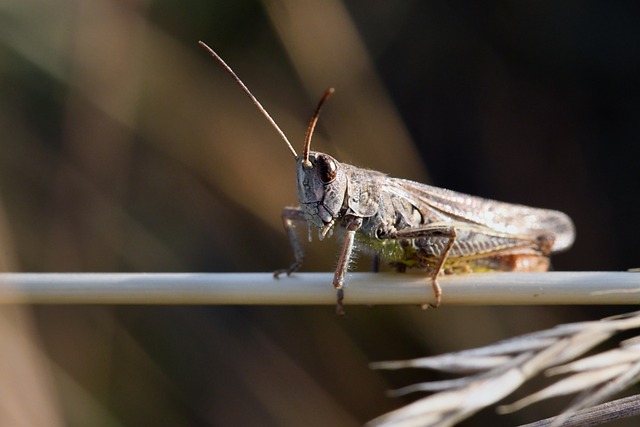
495 371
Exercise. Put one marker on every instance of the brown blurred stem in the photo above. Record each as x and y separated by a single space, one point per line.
597 415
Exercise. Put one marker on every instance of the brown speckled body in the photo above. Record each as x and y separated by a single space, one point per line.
413 225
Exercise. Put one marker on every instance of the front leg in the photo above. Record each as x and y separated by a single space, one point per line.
439 251
353 223
289 217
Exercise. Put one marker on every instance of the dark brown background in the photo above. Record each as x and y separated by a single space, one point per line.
124 147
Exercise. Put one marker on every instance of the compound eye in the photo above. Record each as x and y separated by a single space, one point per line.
327 168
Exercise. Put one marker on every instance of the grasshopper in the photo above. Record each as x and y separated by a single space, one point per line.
409 224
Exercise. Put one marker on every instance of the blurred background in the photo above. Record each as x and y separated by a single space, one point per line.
125 148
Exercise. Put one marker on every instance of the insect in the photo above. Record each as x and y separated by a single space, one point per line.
411 225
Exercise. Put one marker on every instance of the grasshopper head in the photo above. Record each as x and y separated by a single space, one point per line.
322 185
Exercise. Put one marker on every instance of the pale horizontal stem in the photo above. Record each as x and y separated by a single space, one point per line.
316 288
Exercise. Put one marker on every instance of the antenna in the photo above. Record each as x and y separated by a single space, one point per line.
312 125
256 102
